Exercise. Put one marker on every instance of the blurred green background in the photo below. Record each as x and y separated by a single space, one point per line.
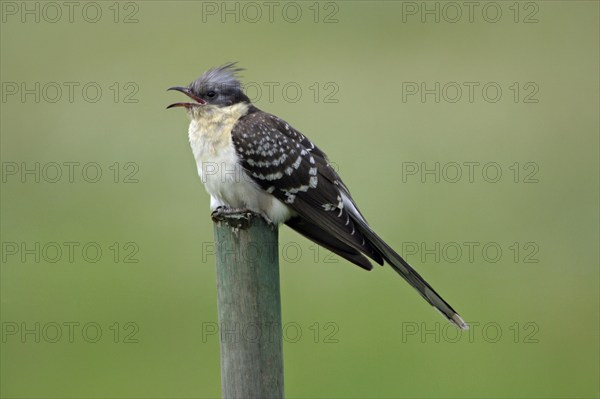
534 307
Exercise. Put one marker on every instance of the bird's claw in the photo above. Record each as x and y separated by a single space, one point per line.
235 217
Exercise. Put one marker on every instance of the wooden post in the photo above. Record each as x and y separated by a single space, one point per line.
249 306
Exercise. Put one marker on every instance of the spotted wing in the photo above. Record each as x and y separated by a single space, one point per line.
286 164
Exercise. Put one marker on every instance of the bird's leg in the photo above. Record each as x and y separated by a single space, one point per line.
224 212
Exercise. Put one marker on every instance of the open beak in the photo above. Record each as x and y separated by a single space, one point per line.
188 93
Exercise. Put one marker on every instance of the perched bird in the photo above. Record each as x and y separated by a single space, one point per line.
249 159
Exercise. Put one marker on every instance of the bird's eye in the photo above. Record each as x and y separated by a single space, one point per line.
211 94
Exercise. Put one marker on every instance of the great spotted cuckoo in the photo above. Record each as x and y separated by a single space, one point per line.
266 166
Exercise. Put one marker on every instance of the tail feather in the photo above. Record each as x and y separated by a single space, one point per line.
323 238
413 278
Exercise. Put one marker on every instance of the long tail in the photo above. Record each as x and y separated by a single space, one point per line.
366 243
413 278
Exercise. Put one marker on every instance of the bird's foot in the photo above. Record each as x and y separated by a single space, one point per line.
231 215
237 217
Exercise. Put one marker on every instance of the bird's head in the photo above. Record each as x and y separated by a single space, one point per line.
217 88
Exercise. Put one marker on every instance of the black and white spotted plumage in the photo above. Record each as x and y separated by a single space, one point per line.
283 163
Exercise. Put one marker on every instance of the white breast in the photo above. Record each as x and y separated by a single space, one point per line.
219 167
